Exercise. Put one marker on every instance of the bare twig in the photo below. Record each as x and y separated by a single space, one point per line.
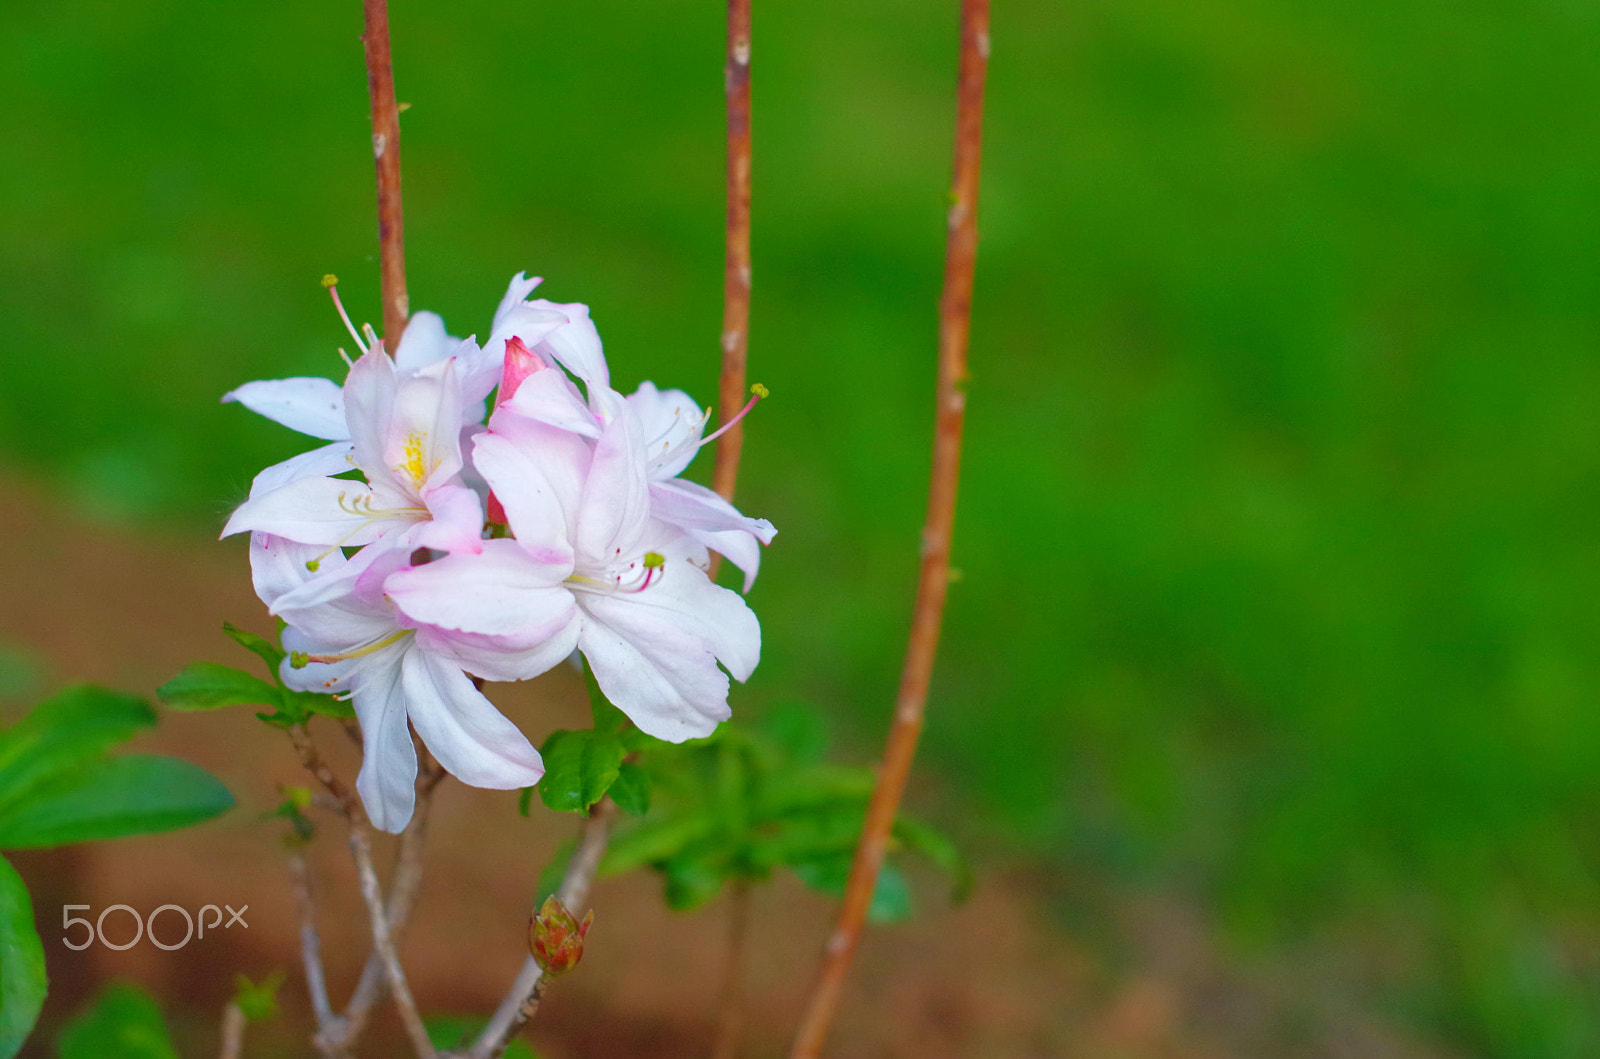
402 895
311 951
522 999
731 1010
232 1031
300 736
955 305
383 943
736 261
386 153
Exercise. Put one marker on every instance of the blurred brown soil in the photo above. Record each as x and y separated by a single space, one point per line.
996 977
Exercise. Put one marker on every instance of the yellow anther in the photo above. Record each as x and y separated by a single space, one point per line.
653 560
330 280
759 390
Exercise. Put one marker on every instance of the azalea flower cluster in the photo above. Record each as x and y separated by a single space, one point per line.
492 539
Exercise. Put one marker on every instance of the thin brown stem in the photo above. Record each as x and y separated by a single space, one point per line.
731 1007
736 260
300 736
522 999
386 153
232 1032
955 314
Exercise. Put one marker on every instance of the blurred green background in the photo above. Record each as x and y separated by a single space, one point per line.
1278 527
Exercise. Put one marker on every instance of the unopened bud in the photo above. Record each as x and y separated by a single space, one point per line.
555 938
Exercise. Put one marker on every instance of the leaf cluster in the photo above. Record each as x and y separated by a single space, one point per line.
60 784
211 686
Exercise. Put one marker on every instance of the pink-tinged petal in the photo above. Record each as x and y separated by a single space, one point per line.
616 497
322 511
369 397
713 522
533 325
472 740
536 473
516 294
496 611
423 342
334 458
457 522
671 424
550 398
478 370
311 406
388 778
279 566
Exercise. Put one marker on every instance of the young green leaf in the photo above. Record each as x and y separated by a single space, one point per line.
124 1023
655 840
631 791
22 981
266 650
64 732
693 879
579 768
938 847
133 795
208 685
301 703
257 1002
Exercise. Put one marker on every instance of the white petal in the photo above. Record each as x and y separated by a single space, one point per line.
422 442
655 651
344 608
713 522
387 783
457 522
671 424
517 293
472 740
576 346
615 506
278 566
333 458
312 511
423 341
536 473
311 406
369 396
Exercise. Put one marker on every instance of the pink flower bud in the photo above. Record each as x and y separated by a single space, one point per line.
555 938
520 363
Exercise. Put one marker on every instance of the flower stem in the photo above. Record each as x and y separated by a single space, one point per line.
386 153
955 315
736 260
731 1006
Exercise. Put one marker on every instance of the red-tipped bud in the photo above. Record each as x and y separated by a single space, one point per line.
495 513
520 363
555 938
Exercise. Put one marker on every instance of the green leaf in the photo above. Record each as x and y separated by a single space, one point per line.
801 731
891 896
938 847
63 732
631 791
257 1002
208 685
607 718
655 841
266 650
579 768
298 703
22 981
124 1023
458 1031
137 794
693 880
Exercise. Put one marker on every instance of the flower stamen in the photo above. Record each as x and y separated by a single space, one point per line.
331 282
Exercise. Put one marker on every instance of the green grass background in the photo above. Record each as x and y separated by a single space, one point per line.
1278 530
